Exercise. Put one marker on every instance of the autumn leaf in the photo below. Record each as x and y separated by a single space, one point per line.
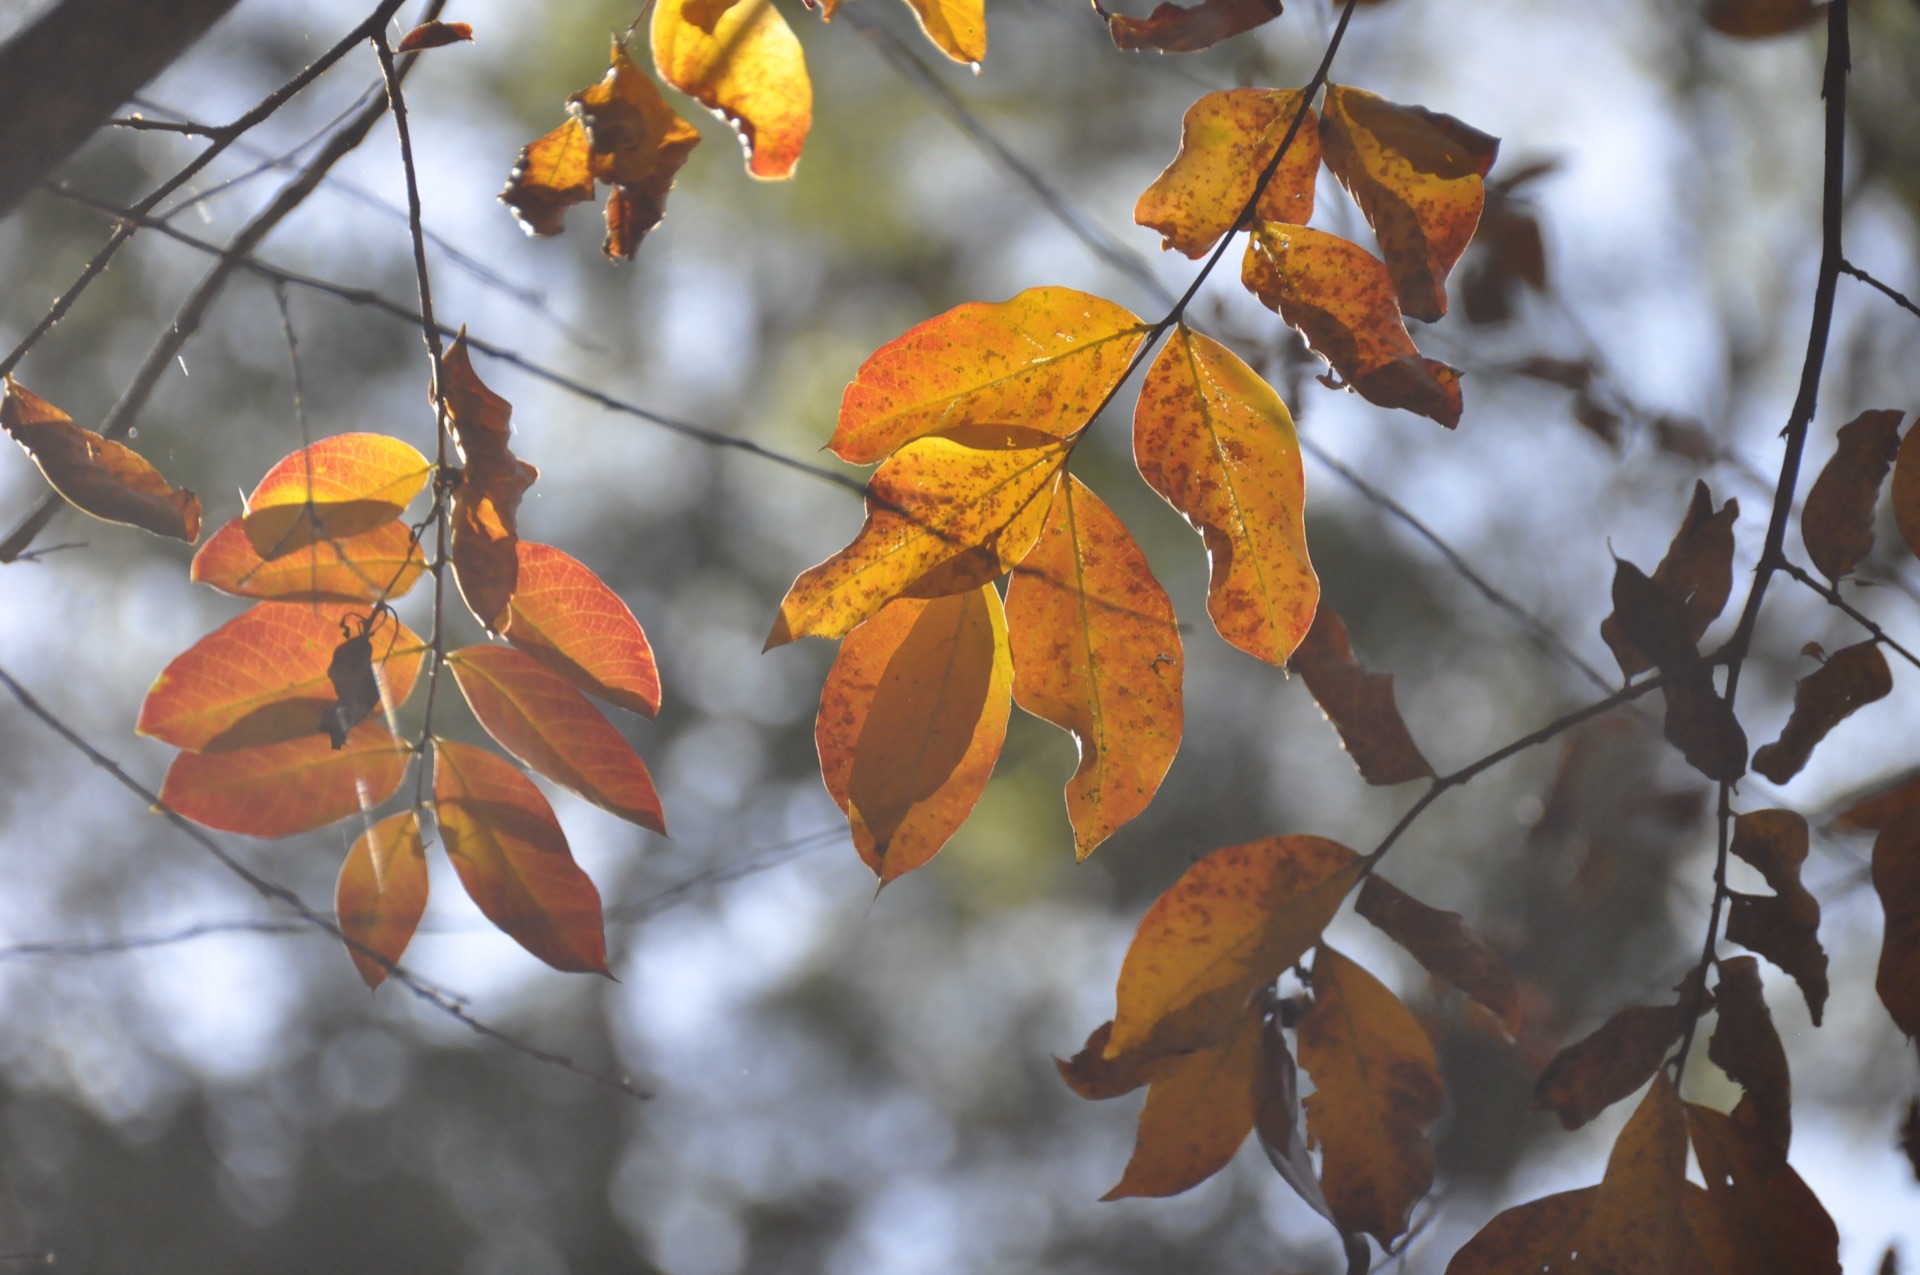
1042 361
1358 703
745 66
382 891
945 514
434 35
1896 879
1775 1224
1341 299
1641 1216
1200 1108
1746 1046
1905 488
1783 927
1756 19
262 677
538 716
337 488
1837 520
1226 928
97 475
374 565
636 144
1278 1121
1884 804
1417 176
1093 1075
290 787
356 686
911 721
486 504
513 858
1173 28
1697 573
1444 945
1591 1075
1096 651
563 615
1699 722
958 28
1538 1237
1854 677
552 174
1227 139
1218 445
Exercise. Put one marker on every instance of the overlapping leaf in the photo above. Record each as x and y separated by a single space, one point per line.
339 487
1227 139
1358 703
1642 1214
1773 1224
378 564
743 63
287 788
1093 1075
1837 520
1896 879
97 475
1699 722
1278 1121
1173 28
1444 944
1784 927
1746 1046
1905 488
1592 1074
382 892
1697 573
1853 678
1200 1108
486 505
566 617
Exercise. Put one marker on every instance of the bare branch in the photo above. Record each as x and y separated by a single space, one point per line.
1900 299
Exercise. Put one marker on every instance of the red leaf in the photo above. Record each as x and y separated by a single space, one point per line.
563 615
434 35
1173 28
290 787
382 891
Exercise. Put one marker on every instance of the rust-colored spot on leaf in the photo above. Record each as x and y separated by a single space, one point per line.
1444 945
382 892
1358 703
1227 139
94 474
1837 520
1174 28
1855 677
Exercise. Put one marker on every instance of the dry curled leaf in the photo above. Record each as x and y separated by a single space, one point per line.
1837 520
486 503
97 475
356 690
1227 139
434 35
382 892
743 63
1173 28
1853 678
1358 703
1444 945
1093 1075
1699 722
1746 1046
1783 927
1697 573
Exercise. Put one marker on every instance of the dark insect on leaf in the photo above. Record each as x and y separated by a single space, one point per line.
1173 28
1358 703
356 690
1855 677
1837 521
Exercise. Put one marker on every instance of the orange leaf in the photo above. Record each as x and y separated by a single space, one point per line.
1096 651
1225 929
1641 1215
1217 443
1774 1223
1376 1090
945 514
539 717
486 504
290 787
1340 298
1785 926
1091 1074
958 28
745 66
1173 28
564 616
1896 879
1443 944
1358 703
1697 573
1200 1108
261 678
382 891
339 487
1754 19
513 858
1746 1046
1906 488
1227 139
911 721
553 173
378 564
434 35
1417 177
1853 678
97 475
1591 1075
1042 361
1837 520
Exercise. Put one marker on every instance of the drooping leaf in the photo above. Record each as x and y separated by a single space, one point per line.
1746 1046
1042 361
1278 1121
744 64
1642 1213
1785 926
911 721
1775 1224
1896 879
1227 139
287 788
1853 678
945 515
1444 945
1358 703
1592 1074
1093 1075
262 677
486 505
635 143
339 487
1200 1108
382 892
1905 488
382 563
94 474
958 28
563 615
434 35
538 716
1699 722
1837 520
1341 299
1225 929
1217 443
1697 573
1096 651
514 860
1173 28
1416 175
1755 19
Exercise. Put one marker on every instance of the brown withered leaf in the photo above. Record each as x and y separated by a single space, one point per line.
1905 488
356 690
1882 802
1697 571
97 475
1093 1075
1277 1121
1896 879
1173 28
1537 1236
1358 703
1755 19
1910 1136
1855 677
434 35
1785 926
1769 1219
1511 250
1837 520
1227 139
1591 1075
1746 1047
1444 945
1200 1108
1699 723
486 504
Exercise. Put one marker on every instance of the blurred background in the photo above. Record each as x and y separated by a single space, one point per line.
845 1083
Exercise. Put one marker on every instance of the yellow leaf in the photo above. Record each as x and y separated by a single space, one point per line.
743 64
1227 139
382 891
1200 1108
958 28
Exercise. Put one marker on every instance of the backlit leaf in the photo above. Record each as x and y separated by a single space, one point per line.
1775 1224
1225 929
1591 1075
635 143
1758 18
1896 879
539 717
1091 1074
1746 1046
553 173
1837 521
1853 678
1641 1218
958 28
382 563
1217 443
1358 703
97 475
1444 944
290 787
1905 488
337 488
1341 299
1785 926
1042 361
1173 28
1200 1108
743 64
945 515
261 678
911 721
563 615
486 505
1278 1120
1697 572
382 891
1096 651
1227 139
513 858
1416 175
434 35
1534 1238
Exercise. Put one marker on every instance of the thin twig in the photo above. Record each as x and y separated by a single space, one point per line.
68 948
141 124
1865 621
1900 299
